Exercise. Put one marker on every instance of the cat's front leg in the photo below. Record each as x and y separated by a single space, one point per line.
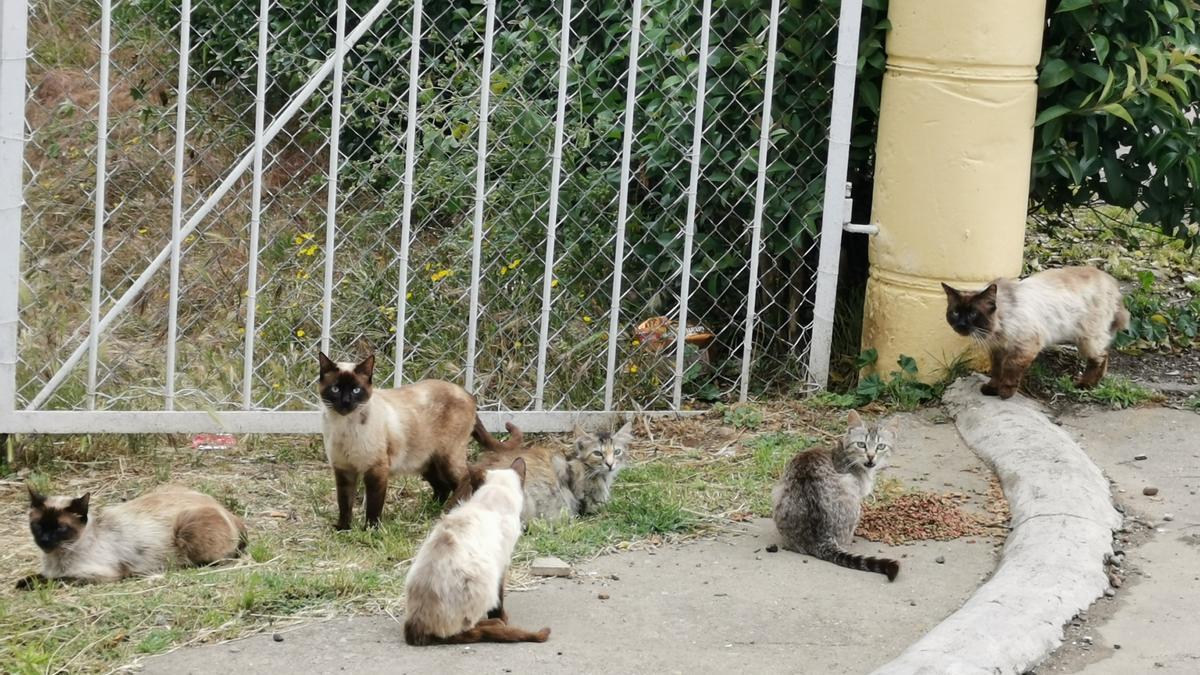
992 387
1015 365
376 481
347 493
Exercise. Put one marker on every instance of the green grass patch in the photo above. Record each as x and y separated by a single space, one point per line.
1114 391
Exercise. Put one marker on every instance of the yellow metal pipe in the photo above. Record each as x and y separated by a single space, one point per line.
952 167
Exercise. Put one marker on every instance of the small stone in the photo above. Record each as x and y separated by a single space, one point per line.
1087 639
277 637
1149 491
941 560
758 557
773 548
235 650
1114 580
1108 592
603 596
1140 457
549 567
1168 517
1116 646
614 577
912 603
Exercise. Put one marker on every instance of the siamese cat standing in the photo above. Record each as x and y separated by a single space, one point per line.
421 428
171 525
455 588
818 501
1014 319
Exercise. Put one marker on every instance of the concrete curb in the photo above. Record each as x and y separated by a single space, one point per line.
1053 562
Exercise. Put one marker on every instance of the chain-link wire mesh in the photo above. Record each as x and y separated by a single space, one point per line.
60 196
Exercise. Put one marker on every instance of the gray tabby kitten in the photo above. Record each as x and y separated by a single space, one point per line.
818 500
561 486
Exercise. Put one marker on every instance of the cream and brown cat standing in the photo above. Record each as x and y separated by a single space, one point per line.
1015 319
421 428
171 525
455 588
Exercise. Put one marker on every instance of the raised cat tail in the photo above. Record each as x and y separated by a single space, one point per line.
489 442
836 555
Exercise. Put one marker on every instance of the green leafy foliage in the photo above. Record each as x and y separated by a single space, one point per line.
901 388
1155 322
1118 87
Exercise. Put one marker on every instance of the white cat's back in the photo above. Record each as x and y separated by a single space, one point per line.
1060 305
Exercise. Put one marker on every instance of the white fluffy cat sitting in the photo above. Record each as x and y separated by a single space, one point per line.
455 589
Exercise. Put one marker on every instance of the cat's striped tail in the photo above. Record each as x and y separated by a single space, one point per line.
489 442
834 554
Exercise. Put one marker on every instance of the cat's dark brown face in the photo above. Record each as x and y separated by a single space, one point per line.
54 521
971 314
343 388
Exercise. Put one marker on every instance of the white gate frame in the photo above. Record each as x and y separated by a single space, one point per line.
13 53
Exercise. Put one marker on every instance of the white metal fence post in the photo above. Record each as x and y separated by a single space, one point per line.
485 89
100 214
614 310
13 24
260 104
564 62
410 149
689 228
185 38
335 128
832 215
760 185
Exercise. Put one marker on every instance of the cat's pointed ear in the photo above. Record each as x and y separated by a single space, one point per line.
988 293
853 420
367 367
951 294
327 364
891 426
36 499
518 465
624 435
79 505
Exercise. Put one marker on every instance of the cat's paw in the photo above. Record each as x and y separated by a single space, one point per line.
542 635
1006 393
29 582
341 527
989 389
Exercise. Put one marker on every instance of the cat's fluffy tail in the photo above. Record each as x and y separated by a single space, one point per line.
489 442
1120 319
834 554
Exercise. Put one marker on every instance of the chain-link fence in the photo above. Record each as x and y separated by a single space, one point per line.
448 270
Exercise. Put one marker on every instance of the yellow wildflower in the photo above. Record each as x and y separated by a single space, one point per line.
143 230
300 332
587 319
408 296
503 271
636 342
517 345
439 275
189 239
277 386
633 369
513 264
554 283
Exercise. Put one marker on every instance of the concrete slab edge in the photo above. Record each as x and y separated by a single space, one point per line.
1052 565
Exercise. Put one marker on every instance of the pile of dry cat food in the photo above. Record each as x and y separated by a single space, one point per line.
916 516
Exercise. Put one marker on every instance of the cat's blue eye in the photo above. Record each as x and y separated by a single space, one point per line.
334 389
358 390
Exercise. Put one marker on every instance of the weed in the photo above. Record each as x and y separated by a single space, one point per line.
743 416
830 399
1114 391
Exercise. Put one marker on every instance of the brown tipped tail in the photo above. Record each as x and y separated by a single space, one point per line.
837 556
489 442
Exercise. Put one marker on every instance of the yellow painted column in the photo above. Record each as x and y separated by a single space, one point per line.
952 167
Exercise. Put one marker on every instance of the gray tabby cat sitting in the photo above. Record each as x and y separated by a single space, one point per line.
560 486
818 500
